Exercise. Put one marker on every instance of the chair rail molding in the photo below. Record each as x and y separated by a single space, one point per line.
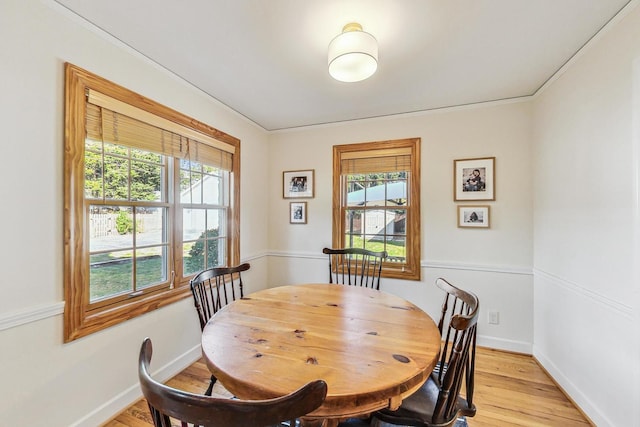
623 309
447 265
489 268
30 314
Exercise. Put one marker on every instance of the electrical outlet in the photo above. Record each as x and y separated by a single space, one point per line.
494 317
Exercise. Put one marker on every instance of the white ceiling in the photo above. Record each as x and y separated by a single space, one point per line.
267 59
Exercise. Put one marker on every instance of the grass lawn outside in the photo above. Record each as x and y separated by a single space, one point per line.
394 249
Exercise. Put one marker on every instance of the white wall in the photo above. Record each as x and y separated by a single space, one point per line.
579 194
585 150
494 263
43 381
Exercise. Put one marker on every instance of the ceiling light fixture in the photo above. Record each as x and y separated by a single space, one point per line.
353 55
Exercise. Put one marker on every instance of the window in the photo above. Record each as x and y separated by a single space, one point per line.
376 205
151 198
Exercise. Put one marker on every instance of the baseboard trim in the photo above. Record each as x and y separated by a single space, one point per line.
554 373
132 394
521 347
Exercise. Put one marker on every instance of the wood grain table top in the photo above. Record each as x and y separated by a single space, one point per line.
373 349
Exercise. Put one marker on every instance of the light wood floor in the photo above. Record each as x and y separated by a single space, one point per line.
511 390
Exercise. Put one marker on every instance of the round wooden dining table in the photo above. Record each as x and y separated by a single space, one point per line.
373 349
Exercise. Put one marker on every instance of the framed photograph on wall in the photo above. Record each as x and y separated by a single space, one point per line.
298 212
474 179
473 216
297 184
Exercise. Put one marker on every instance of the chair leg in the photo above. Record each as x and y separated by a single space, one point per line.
211 384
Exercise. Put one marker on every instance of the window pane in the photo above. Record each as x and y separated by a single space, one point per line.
146 181
353 221
91 145
216 221
382 228
396 222
396 193
93 175
383 189
185 187
211 170
193 224
216 253
151 226
355 190
151 266
374 221
116 149
116 178
190 187
195 187
143 177
212 191
397 249
353 241
374 242
193 257
375 191
110 228
147 156
211 244
110 274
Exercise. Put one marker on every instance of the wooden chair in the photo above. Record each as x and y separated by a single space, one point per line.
355 266
439 401
212 289
165 402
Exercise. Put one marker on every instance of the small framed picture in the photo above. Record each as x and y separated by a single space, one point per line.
474 179
473 216
297 184
298 212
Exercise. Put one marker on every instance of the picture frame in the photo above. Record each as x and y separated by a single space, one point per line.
474 179
298 184
476 216
297 212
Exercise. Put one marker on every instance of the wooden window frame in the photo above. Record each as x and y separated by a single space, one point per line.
79 319
411 269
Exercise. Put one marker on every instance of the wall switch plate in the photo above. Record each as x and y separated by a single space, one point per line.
494 317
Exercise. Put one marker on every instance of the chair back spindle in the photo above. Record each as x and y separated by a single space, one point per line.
216 287
355 266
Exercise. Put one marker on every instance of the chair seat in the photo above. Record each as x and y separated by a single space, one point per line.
417 409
